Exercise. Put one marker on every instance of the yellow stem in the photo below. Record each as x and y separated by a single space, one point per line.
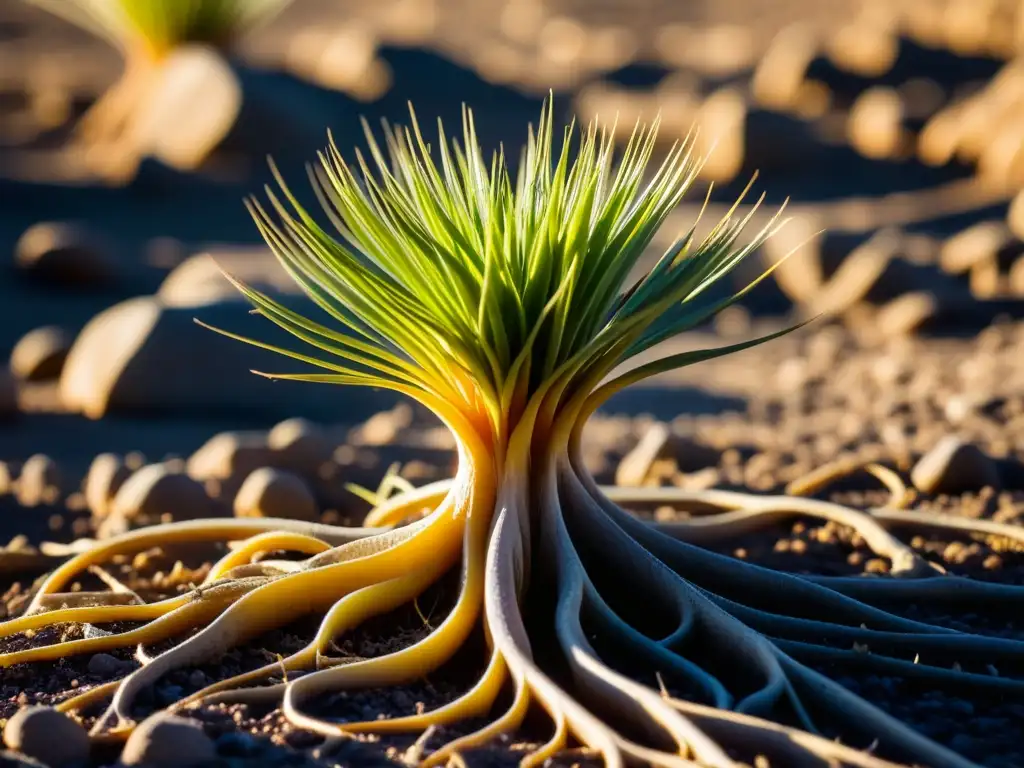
434 650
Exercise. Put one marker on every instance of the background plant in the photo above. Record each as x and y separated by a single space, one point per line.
114 132
151 29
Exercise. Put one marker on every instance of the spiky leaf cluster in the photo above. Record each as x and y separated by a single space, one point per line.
446 274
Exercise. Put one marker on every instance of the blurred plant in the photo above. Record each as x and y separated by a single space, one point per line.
153 28
149 33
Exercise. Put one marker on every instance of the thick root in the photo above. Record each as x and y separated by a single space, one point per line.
189 532
729 648
409 663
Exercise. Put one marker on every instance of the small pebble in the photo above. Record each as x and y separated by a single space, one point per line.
135 460
876 565
875 125
301 445
40 354
229 455
992 563
104 665
39 482
48 736
106 475
63 254
156 491
269 492
384 427
168 741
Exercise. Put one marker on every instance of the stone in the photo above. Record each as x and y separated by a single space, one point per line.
383 428
39 481
226 459
157 492
864 48
985 280
61 253
200 278
140 355
40 354
189 108
47 735
270 492
300 445
106 475
167 741
101 356
875 126
104 665
955 466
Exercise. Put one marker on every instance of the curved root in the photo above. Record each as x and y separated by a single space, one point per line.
727 643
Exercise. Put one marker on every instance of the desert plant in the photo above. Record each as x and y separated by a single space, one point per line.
148 33
505 307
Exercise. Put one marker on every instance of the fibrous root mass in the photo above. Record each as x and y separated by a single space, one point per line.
667 653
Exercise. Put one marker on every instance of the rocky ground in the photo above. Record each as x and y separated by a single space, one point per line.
890 124
820 398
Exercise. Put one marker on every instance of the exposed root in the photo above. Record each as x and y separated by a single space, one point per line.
189 532
716 673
